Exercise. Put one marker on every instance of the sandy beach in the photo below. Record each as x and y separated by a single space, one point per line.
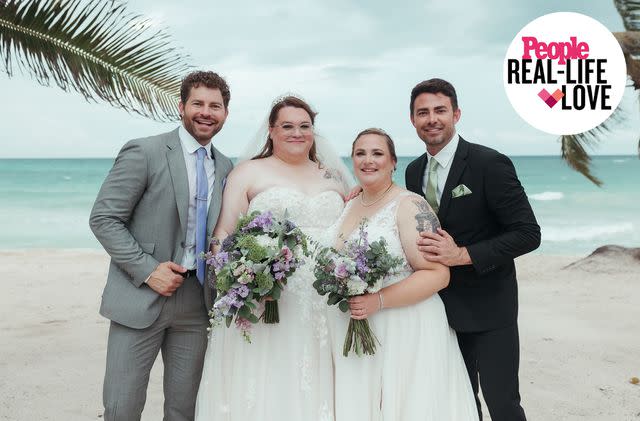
578 328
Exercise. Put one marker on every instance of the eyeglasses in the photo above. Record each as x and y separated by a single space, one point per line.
288 128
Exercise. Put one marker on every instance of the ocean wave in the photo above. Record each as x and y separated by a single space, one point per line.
584 232
547 195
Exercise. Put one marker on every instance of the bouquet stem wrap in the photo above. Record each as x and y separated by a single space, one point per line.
271 314
359 339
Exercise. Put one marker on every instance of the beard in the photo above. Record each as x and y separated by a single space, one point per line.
198 133
439 139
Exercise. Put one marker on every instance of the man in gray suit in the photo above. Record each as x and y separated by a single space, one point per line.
153 215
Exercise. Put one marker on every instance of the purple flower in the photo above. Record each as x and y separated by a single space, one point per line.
237 303
228 243
341 271
242 291
361 265
218 260
289 226
279 266
223 305
262 221
364 237
279 275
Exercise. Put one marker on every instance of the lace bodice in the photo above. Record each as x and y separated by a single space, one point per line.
312 213
383 224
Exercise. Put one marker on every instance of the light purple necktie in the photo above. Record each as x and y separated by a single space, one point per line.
202 191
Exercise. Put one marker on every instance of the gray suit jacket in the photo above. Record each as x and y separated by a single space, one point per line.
140 218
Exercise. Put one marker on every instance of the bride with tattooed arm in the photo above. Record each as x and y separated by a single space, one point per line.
417 372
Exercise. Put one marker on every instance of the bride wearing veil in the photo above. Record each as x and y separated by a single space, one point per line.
286 372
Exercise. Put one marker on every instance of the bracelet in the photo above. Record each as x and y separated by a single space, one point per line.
381 300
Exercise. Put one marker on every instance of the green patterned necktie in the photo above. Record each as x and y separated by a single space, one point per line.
432 185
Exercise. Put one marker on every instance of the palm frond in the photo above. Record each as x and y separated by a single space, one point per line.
630 40
96 48
630 43
630 12
575 155
574 146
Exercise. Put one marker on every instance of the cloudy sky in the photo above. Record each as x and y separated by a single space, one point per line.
355 61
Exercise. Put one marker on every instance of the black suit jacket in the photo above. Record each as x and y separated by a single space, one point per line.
496 224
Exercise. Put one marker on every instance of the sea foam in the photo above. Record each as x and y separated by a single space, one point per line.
584 232
547 195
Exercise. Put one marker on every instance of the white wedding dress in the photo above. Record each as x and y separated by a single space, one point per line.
417 372
286 373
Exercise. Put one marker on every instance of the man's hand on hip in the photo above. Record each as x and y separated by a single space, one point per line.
166 278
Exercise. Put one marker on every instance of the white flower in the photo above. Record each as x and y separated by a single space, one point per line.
375 287
266 241
239 270
356 286
349 263
245 278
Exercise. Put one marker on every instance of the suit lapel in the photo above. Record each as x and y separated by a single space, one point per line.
179 178
216 195
417 177
457 167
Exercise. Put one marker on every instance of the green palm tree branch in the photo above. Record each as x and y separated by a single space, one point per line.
95 48
630 13
575 146
630 40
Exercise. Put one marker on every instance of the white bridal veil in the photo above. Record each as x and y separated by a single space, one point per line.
327 156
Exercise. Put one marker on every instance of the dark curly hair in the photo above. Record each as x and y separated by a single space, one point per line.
209 79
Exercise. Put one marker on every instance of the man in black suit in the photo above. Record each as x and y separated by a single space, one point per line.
486 221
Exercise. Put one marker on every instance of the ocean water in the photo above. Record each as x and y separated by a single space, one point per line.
46 202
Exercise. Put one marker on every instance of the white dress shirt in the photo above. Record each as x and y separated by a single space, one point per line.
189 148
444 158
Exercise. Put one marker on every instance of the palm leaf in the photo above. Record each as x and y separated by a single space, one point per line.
630 13
95 48
574 146
576 156
630 41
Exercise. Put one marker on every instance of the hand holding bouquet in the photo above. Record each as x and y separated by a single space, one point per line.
253 264
358 268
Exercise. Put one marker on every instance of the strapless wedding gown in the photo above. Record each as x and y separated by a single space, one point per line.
286 373
417 373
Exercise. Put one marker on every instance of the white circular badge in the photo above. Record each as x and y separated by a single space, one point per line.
564 73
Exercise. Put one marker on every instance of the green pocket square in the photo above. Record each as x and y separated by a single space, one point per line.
460 191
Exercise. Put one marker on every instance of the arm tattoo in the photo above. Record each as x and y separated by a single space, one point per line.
332 174
425 218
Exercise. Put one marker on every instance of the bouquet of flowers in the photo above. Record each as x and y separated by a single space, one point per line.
254 263
358 268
